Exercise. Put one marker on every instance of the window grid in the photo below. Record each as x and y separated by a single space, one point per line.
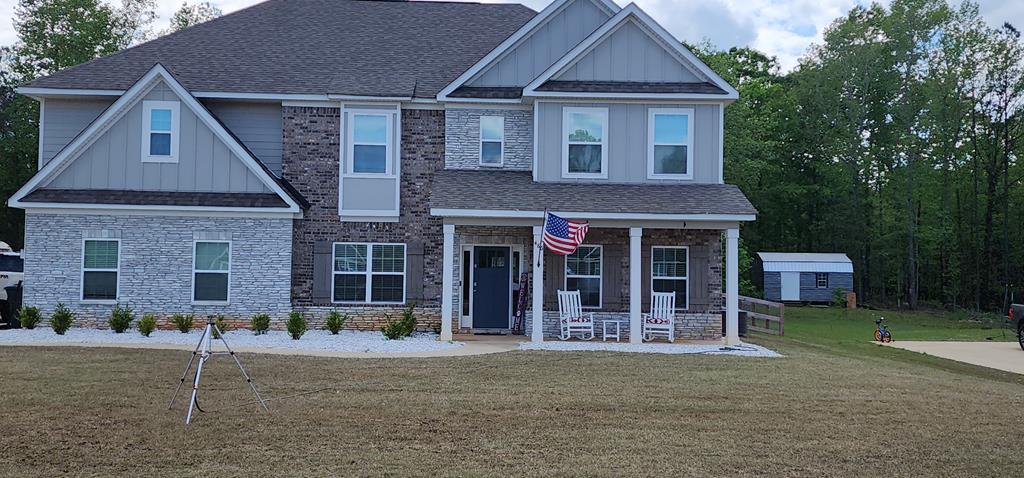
368 273
670 272
215 273
821 280
98 263
581 268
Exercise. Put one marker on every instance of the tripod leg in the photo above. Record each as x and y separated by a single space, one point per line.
239 363
204 355
185 373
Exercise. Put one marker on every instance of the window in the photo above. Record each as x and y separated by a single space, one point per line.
584 144
821 280
670 273
100 264
583 273
211 271
369 139
492 140
669 145
371 273
160 131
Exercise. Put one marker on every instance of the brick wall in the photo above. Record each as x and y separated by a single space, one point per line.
156 264
311 150
462 138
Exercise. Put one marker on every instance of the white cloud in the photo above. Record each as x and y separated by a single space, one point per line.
784 28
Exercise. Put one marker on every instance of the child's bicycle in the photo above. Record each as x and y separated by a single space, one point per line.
882 333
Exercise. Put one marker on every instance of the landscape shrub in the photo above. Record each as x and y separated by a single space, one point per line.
403 327
335 321
183 322
839 297
121 319
296 325
61 319
260 323
222 325
29 316
147 324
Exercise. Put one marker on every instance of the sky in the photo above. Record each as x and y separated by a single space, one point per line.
783 28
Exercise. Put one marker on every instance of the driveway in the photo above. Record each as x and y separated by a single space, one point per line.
998 355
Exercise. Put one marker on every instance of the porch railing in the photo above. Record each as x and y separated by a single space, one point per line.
763 315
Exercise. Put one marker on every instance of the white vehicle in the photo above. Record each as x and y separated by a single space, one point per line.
11 269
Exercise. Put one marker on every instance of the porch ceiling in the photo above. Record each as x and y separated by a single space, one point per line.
515 191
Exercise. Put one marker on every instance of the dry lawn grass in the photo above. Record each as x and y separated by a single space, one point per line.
814 413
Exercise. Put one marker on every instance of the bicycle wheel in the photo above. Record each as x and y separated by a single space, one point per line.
878 336
887 338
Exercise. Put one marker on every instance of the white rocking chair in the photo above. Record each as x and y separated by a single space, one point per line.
571 318
661 321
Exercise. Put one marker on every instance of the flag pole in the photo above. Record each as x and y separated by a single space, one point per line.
540 245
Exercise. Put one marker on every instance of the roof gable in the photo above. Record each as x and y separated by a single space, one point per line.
535 46
631 49
77 166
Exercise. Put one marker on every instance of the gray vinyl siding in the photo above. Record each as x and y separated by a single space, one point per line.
546 45
114 159
256 124
809 292
627 142
772 286
629 54
64 118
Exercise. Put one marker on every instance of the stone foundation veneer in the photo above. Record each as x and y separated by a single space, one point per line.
156 264
689 326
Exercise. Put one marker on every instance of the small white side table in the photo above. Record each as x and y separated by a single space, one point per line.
604 330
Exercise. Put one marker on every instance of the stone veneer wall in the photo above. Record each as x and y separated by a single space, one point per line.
310 162
156 264
462 138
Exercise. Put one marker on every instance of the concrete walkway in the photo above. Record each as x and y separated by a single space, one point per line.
471 348
1006 356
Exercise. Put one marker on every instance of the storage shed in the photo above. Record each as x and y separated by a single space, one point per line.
802 276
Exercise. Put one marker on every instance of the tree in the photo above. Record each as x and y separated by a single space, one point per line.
189 15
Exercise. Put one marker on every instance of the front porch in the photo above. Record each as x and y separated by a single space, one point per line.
619 265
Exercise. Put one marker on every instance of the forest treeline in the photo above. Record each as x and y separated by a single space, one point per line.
895 141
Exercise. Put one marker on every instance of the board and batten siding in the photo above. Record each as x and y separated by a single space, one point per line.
526 61
64 118
628 54
256 124
114 160
627 142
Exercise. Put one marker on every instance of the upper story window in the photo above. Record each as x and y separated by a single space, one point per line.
670 143
369 138
492 140
584 142
160 131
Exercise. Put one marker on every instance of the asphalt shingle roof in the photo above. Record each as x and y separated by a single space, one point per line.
344 47
516 191
159 198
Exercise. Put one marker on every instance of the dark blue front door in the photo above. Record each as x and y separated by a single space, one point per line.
491 270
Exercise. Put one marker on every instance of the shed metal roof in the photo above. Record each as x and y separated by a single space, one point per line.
805 262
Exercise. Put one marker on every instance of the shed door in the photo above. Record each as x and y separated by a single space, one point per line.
790 286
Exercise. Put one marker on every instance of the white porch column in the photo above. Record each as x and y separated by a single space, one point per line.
635 285
732 286
447 281
537 325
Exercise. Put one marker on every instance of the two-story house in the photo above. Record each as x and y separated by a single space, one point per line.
363 155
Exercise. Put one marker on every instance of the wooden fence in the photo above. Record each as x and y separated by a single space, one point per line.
763 316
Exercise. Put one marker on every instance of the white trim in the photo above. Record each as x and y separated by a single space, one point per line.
721 143
536 132
482 101
369 212
599 277
501 141
107 208
260 96
310 103
350 142
471 248
635 284
147 130
817 280
673 278
227 295
515 39
447 274
42 128
116 270
603 112
570 95
369 273
650 27
383 99
118 109
537 284
36 91
652 113
500 213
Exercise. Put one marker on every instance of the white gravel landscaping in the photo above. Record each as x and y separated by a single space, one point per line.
743 349
314 340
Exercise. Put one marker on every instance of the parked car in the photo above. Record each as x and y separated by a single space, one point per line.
11 275
1016 317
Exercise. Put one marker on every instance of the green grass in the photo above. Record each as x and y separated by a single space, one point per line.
837 326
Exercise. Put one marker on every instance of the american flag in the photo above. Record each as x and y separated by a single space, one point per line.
562 236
